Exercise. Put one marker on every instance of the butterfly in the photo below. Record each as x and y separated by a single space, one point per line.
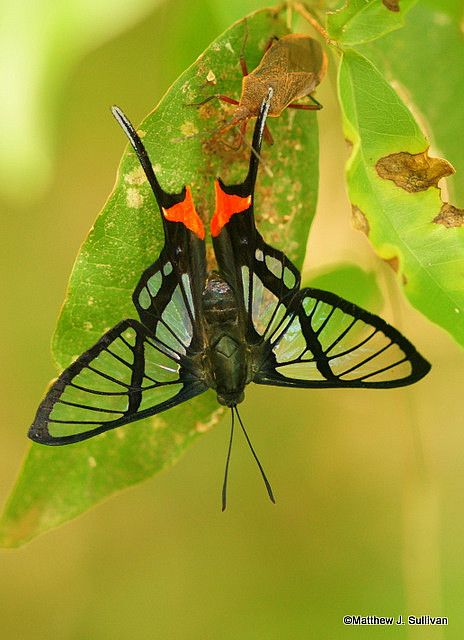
247 321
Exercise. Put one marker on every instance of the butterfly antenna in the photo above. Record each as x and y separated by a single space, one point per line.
226 472
266 481
139 149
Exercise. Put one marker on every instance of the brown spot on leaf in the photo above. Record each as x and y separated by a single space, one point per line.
450 216
134 199
136 176
395 265
392 5
413 172
359 220
349 144
188 129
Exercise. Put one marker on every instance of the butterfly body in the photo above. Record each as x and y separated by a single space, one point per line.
226 357
248 321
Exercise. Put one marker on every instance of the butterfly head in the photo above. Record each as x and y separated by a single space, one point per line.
230 400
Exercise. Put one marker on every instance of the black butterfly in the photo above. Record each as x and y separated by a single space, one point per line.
249 321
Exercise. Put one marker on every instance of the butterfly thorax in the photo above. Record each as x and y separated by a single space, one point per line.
225 357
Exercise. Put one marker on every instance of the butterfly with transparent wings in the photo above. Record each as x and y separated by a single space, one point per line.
247 321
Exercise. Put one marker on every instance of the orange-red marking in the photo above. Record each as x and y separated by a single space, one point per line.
226 207
185 212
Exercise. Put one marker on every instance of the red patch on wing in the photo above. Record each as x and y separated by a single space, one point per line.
226 207
185 212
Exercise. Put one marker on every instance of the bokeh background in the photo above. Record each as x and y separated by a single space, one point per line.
369 515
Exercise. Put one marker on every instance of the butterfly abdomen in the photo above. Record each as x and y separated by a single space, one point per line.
226 355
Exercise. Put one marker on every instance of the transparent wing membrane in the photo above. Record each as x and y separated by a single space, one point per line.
164 301
268 280
263 301
308 338
124 377
325 341
138 369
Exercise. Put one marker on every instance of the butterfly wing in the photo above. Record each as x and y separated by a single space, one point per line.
124 377
307 338
326 341
263 278
138 369
168 296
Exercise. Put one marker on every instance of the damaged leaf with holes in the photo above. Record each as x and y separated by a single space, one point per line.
413 171
394 189
425 58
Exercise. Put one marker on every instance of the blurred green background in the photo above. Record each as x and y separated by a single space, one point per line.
369 485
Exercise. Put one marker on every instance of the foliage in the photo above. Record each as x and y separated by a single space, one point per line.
402 212
392 186
57 484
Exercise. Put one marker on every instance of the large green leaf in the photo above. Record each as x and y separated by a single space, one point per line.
57 484
391 198
361 21
426 58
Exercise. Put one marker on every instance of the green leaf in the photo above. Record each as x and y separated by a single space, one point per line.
57 484
399 223
365 20
348 281
426 58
